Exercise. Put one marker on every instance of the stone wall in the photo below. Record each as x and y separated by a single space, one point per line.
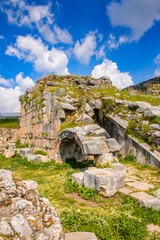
44 111
116 128
8 136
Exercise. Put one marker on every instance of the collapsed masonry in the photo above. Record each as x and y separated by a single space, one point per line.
43 118
72 117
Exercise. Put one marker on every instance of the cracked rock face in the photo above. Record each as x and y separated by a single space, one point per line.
23 215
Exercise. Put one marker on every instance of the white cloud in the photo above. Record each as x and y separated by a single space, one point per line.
9 97
100 53
157 59
19 12
5 82
85 49
1 37
35 51
137 15
110 69
24 83
112 43
157 72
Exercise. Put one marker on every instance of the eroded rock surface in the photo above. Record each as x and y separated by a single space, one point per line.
23 215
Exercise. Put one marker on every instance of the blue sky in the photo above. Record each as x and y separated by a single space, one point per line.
119 39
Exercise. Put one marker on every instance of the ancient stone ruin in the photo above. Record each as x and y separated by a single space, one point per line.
69 118
23 214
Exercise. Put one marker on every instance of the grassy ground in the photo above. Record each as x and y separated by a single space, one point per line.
9 123
115 218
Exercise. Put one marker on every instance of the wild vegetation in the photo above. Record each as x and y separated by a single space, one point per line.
113 218
9 123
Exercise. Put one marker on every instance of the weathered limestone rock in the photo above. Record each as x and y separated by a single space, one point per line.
124 191
113 145
152 111
96 104
65 106
105 181
155 126
89 110
20 225
80 236
105 158
5 228
38 158
24 152
143 186
25 215
78 178
157 193
9 153
118 166
86 119
146 200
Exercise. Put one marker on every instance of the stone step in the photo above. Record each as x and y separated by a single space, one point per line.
80 236
142 186
146 200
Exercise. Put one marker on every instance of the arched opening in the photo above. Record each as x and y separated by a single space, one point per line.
69 149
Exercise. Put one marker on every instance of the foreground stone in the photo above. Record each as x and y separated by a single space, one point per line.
38 158
80 236
146 200
24 152
106 181
9 153
143 186
78 178
23 215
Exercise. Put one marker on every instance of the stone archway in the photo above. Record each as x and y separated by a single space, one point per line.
69 149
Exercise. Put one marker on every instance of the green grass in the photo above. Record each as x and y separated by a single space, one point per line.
116 218
9 123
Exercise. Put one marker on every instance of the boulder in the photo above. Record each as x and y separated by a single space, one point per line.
86 119
157 193
38 158
59 92
20 225
105 158
93 148
24 152
5 228
152 111
65 106
9 153
155 126
118 166
96 104
89 110
113 145
80 236
5 175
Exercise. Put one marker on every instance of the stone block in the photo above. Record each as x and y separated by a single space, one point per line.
5 175
9 153
78 178
146 200
113 145
80 236
5 229
105 158
38 158
24 152
86 119
143 186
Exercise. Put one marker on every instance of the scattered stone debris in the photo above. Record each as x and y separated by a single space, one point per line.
23 214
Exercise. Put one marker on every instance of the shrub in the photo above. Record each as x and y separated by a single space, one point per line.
19 145
40 152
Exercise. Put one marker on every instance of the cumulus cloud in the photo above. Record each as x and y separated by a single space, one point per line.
1 37
5 82
9 97
110 69
21 13
24 83
85 49
35 51
136 15
157 59
112 43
